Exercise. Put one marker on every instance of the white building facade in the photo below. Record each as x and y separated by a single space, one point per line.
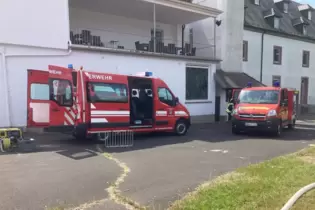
114 36
266 40
279 42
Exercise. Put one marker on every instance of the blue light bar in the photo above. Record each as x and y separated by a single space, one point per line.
148 74
249 84
70 66
276 84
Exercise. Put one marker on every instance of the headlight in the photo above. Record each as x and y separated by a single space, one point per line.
272 113
234 112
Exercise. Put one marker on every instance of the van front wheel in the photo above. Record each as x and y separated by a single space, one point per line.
181 128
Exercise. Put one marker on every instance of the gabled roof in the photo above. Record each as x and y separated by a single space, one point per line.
255 18
228 80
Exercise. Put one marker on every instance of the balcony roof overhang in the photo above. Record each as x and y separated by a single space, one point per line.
167 11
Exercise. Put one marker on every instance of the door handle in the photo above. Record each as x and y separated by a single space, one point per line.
55 110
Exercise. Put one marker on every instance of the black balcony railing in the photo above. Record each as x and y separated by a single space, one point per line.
139 43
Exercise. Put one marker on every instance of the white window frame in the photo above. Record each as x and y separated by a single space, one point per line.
309 15
276 22
257 2
209 86
285 7
304 28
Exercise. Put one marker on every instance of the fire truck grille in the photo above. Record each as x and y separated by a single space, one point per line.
252 116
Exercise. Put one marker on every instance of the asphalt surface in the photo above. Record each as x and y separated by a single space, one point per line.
58 174
163 168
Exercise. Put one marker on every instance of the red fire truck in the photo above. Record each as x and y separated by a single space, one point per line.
265 109
90 103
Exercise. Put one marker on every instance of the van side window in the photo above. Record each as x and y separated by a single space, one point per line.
39 91
107 92
165 96
61 92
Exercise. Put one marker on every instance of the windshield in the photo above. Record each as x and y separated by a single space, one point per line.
259 96
236 94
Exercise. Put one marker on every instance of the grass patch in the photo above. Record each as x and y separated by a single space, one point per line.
264 186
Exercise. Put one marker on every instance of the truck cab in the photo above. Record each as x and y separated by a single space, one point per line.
264 109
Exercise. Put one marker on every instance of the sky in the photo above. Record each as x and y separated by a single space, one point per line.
310 2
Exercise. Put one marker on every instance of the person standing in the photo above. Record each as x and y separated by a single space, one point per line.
229 109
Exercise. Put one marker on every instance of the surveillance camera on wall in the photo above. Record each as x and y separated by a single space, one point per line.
218 22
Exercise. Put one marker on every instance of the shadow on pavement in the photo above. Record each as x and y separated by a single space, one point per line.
65 145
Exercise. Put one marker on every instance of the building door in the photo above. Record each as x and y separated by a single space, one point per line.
304 90
217 108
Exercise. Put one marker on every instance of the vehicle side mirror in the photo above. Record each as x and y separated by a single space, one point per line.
176 101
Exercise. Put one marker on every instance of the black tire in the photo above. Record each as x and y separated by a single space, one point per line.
235 131
181 128
292 126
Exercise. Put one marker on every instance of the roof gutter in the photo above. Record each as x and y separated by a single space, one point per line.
262 55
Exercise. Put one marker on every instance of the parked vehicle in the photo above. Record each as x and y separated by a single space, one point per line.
93 103
267 109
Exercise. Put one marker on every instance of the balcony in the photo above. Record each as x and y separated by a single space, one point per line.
143 26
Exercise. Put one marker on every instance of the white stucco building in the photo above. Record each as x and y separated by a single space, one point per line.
106 36
279 42
267 40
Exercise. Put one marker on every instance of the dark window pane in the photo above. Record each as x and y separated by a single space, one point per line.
196 83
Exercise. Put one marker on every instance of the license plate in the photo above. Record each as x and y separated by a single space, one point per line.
250 124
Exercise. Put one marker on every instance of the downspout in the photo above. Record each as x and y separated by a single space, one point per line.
183 38
6 86
5 71
262 55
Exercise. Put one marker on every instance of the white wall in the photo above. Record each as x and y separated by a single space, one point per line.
167 69
252 66
42 23
125 30
291 69
229 35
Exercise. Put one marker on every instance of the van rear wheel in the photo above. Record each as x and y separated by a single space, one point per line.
181 128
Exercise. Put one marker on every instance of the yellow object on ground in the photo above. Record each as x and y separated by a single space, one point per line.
6 134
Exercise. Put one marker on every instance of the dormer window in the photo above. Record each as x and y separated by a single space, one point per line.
273 18
306 11
283 5
276 22
300 25
257 2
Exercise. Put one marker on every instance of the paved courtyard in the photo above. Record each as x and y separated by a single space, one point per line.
158 169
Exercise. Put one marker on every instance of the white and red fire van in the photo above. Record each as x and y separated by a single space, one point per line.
93 103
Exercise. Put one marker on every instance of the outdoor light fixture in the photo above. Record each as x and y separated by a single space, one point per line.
218 22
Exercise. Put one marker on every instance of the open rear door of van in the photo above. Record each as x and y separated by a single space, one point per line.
38 104
62 116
